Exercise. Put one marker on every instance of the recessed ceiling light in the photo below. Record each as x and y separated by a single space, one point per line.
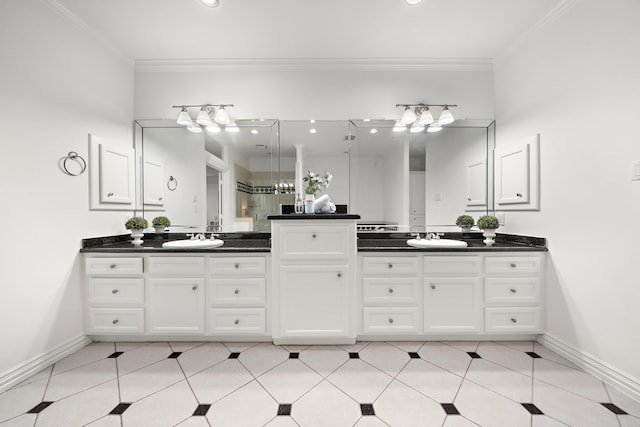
312 131
373 131
254 131
312 121
408 1
210 3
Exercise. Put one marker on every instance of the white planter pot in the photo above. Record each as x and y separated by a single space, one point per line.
160 229
489 234
137 236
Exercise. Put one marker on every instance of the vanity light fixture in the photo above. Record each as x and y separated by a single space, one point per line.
232 127
399 127
419 115
214 3
221 117
411 2
184 118
204 117
213 128
195 128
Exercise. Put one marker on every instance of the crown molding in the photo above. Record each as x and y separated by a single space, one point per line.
403 64
85 28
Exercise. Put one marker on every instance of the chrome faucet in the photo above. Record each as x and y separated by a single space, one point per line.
434 236
214 236
417 236
200 236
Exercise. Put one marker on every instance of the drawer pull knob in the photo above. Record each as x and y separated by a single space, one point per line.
194 287
159 198
115 291
313 235
236 322
339 274
390 320
433 286
514 320
513 265
390 265
513 290
236 265
390 290
115 321
519 194
112 266
109 194
237 291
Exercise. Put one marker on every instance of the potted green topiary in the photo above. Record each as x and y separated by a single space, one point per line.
465 222
160 223
136 224
488 224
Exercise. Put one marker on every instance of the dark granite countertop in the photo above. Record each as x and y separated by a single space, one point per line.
152 242
397 242
314 216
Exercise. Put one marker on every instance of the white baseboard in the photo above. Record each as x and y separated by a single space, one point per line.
21 372
602 370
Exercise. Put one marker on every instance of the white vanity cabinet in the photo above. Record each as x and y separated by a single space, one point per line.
313 268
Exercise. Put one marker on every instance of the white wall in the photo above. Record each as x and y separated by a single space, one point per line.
576 82
57 85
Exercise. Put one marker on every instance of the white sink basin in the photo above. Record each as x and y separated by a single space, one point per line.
193 244
436 243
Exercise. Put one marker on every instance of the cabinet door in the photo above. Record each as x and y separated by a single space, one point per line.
512 176
176 306
314 301
452 305
116 175
153 183
477 183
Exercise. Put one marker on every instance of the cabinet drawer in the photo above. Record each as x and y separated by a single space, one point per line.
176 266
390 265
316 242
237 321
113 266
435 264
237 266
390 320
512 319
116 291
116 320
236 291
390 291
512 290
517 265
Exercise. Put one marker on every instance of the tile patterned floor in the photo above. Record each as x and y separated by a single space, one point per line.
400 384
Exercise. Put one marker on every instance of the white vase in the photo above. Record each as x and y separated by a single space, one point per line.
137 236
466 229
308 203
489 234
159 229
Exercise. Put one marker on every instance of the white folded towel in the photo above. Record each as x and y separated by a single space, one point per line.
321 202
328 208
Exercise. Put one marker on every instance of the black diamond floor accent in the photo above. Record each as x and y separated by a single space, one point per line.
120 408
414 355
367 409
284 409
534 355
234 355
39 407
533 409
115 355
201 410
354 356
450 408
175 355
614 408
474 355
294 355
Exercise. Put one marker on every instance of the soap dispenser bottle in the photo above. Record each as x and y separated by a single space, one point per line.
299 204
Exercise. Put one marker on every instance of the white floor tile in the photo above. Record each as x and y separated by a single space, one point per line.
126 346
18 400
218 381
400 405
89 354
464 345
107 421
198 421
545 421
167 407
81 408
184 346
624 402
26 420
489 409
458 421
545 353
628 421
370 421
80 379
140 357
570 379
516 345
42 375
508 357
149 380
325 406
354 348
202 357
430 380
570 408
236 347
248 406
290 380
324 359
446 357
407 346
295 348
263 357
385 357
282 421
360 380
503 381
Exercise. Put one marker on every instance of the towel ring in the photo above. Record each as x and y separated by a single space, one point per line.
76 158
172 184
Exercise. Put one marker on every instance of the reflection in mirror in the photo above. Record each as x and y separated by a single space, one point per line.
410 181
192 177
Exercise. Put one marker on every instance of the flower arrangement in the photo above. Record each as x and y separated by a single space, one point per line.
161 221
465 221
316 182
136 223
488 222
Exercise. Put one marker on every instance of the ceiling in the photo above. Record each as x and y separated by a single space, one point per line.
144 30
